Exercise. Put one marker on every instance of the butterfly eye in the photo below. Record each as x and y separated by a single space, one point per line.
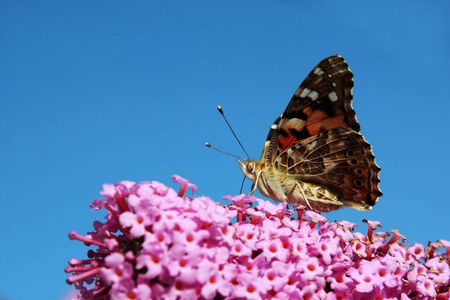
251 167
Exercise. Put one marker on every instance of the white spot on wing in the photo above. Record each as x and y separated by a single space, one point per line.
304 93
313 95
318 71
329 75
333 97
333 84
274 126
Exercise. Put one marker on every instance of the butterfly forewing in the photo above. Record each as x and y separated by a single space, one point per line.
321 102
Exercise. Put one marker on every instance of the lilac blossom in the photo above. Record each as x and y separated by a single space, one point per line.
157 243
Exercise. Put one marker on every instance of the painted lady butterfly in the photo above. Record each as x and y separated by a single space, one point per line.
314 154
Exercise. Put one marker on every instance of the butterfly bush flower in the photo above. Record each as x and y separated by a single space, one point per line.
157 243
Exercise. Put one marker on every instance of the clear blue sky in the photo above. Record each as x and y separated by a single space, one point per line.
97 92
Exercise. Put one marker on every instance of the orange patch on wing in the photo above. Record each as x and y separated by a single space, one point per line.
319 121
287 141
308 111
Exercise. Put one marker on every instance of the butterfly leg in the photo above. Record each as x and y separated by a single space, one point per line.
303 194
253 190
255 184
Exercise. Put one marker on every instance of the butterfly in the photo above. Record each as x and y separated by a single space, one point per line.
314 154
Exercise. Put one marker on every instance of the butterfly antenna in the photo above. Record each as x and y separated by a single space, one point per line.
209 145
223 115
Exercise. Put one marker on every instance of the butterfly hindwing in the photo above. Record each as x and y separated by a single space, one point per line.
338 159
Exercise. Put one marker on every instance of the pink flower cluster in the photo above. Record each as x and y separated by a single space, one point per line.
158 244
